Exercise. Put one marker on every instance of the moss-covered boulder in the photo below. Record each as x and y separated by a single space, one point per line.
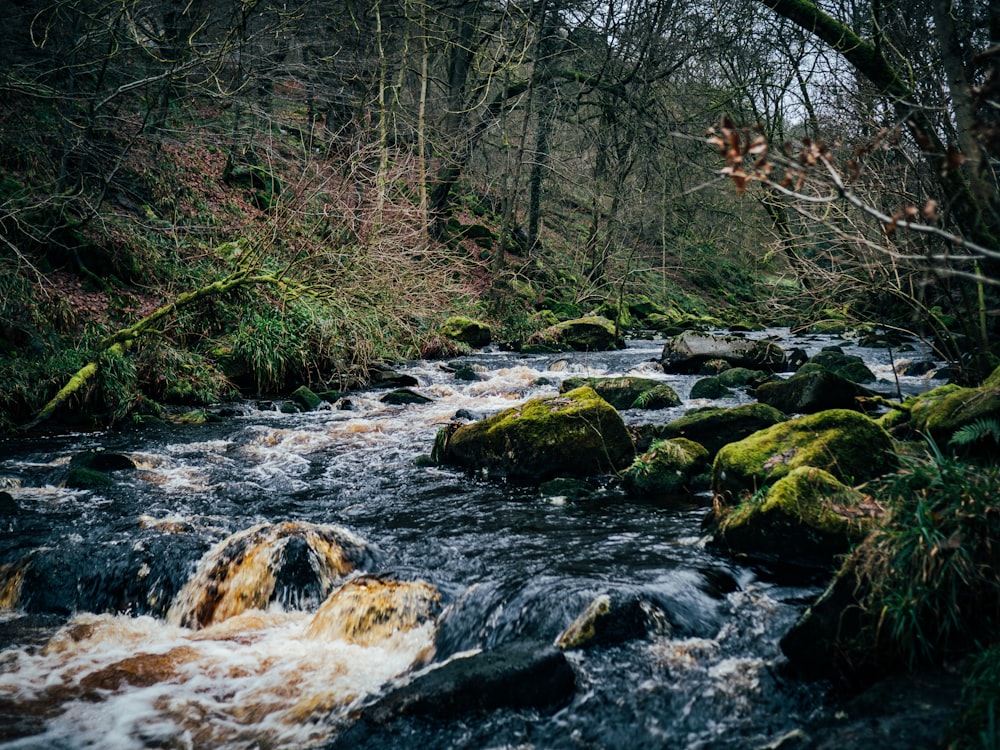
814 390
305 398
628 392
715 427
846 366
667 468
467 331
710 387
574 434
686 352
849 445
742 377
942 411
593 334
808 516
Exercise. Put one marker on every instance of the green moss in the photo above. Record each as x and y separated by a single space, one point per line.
628 392
466 330
847 444
944 410
666 468
575 434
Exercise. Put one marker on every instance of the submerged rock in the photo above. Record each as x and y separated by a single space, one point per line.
628 392
687 352
575 434
607 620
368 609
845 443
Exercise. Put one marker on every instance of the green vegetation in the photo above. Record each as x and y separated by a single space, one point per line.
931 569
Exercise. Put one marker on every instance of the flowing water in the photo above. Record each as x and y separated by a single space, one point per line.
254 581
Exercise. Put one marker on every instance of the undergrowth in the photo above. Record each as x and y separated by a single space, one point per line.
932 570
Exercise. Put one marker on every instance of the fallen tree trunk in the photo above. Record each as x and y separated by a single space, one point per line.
121 341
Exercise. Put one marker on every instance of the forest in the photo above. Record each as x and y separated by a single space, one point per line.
331 180
207 205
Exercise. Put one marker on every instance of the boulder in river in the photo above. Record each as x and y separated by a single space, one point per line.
710 388
515 675
846 366
943 411
628 392
812 391
849 445
574 434
591 334
806 517
714 427
686 353
669 467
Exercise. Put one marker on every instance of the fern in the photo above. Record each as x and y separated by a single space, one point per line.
977 431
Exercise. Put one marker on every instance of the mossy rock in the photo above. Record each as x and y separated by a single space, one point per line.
591 334
808 517
102 461
846 366
628 392
642 307
687 352
743 377
467 331
849 445
404 396
80 478
715 427
667 468
710 387
305 398
942 411
571 435
813 391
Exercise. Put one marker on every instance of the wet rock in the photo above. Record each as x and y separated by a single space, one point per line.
102 461
593 334
846 366
910 711
741 377
305 398
466 373
79 478
404 396
385 377
467 331
514 675
715 427
916 369
710 388
812 391
686 352
575 434
849 445
568 488
669 467
8 505
796 357
607 620
807 516
368 609
628 392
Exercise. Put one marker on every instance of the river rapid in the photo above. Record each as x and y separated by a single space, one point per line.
185 605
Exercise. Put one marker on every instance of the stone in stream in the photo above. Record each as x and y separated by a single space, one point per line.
686 353
574 434
592 334
628 392
849 445
807 517
811 391
467 331
513 675
714 427
669 467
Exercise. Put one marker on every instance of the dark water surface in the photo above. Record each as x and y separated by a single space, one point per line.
99 589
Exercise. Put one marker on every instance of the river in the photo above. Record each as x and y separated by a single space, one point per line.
180 606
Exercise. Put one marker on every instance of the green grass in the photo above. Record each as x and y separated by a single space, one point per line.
932 571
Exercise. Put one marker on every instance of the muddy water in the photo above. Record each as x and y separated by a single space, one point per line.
254 581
